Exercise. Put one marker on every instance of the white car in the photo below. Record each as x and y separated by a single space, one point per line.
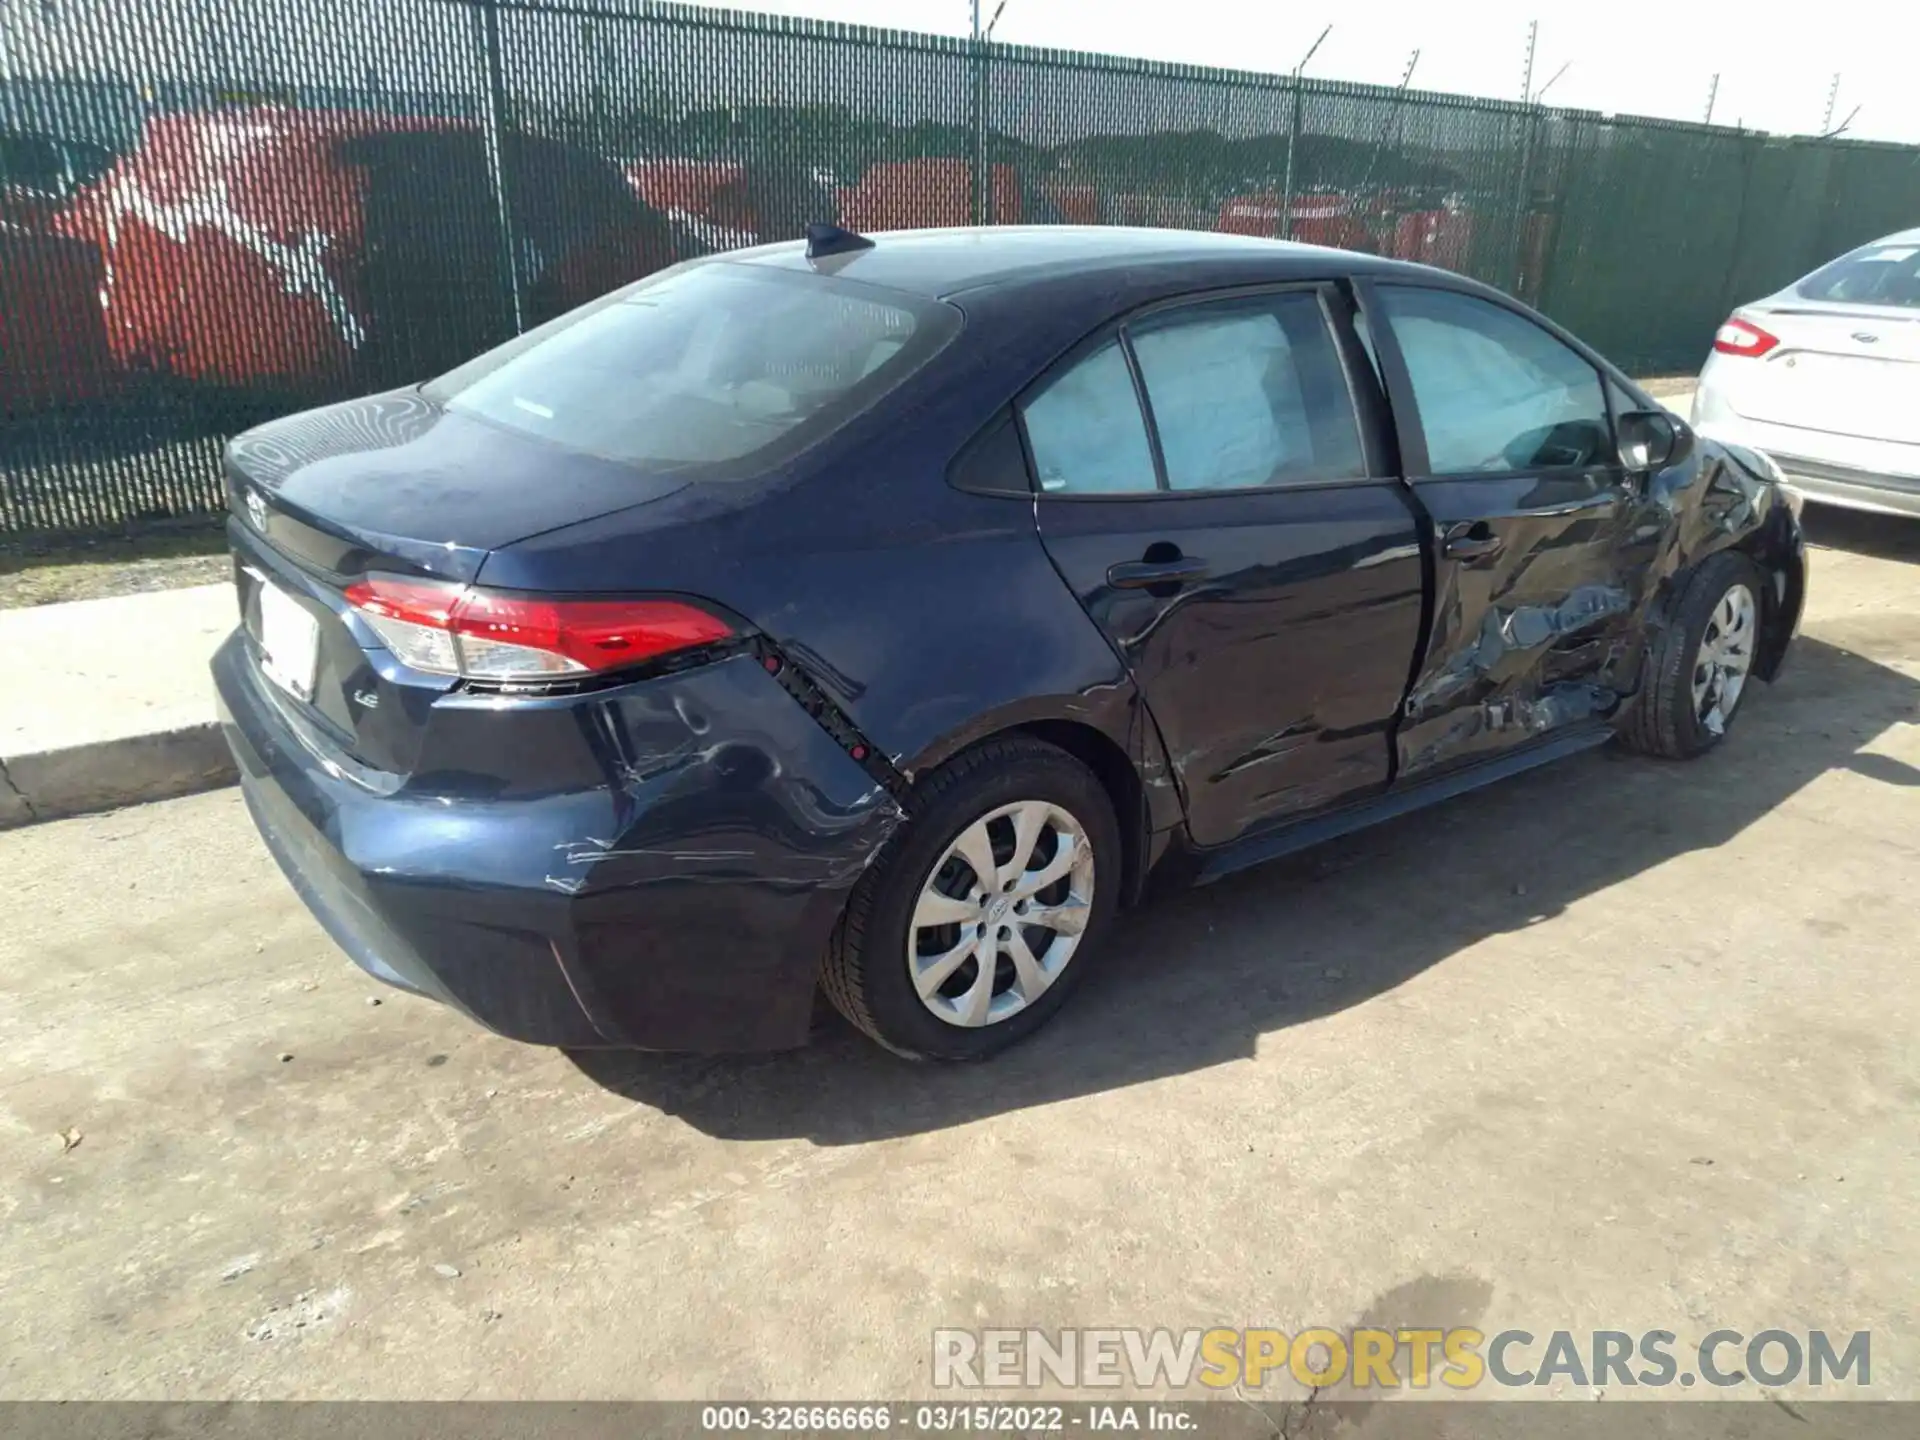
1824 377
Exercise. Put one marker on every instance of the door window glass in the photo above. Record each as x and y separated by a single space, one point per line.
1496 392
1248 393
1086 431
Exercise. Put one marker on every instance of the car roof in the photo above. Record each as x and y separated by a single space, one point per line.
945 263
1900 237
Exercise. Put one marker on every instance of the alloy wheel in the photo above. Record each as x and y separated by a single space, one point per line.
1725 656
1001 913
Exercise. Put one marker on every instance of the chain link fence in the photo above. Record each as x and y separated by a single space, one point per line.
217 211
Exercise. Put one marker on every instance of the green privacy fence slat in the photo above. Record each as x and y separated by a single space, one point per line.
217 211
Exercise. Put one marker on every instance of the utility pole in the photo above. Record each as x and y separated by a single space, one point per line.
1713 92
1833 96
1526 80
1293 137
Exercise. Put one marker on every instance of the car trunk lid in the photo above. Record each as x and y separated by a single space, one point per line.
1842 369
392 485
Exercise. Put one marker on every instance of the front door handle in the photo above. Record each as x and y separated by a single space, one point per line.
1144 574
1472 542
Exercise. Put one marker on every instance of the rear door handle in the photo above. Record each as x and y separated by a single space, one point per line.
1139 574
1472 542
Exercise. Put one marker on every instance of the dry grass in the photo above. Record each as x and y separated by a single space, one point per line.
91 569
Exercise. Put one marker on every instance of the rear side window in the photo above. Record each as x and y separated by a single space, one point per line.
1248 393
1086 432
1872 275
720 367
1496 392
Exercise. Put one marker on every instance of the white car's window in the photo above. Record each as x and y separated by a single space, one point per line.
1086 431
1248 393
1871 275
1496 392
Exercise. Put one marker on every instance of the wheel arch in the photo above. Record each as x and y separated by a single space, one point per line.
1741 515
1098 737
1780 551
1117 776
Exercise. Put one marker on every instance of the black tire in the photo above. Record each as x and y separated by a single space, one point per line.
1663 720
865 973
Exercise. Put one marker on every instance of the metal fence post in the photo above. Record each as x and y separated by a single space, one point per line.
493 135
982 180
1293 141
1523 193
1572 153
1737 247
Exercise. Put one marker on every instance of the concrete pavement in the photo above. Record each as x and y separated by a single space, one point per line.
1618 1044
108 702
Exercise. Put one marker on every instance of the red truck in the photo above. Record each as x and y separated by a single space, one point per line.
313 249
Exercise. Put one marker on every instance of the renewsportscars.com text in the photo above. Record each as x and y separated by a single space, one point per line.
1460 1358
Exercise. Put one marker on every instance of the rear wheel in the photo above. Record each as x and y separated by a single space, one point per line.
976 924
1701 666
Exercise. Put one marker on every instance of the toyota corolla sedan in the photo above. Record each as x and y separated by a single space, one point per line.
1824 377
886 616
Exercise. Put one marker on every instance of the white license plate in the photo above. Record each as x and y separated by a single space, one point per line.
289 641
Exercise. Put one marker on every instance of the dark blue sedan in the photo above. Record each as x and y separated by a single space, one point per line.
886 615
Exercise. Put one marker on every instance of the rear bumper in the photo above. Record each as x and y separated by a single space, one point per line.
1882 476
1882 494
663 875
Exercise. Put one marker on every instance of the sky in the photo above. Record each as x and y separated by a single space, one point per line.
1775 63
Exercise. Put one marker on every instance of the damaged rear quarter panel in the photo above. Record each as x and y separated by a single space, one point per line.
724 823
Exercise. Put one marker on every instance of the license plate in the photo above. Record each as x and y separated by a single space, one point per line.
289 641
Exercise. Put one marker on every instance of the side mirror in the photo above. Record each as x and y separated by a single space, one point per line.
1653 440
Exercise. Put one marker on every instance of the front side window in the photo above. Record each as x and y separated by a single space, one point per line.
716 367
1085 430
1248 393
1496 393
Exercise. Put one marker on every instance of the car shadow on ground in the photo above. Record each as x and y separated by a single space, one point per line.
1197 980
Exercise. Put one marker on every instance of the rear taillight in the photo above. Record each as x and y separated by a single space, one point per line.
1743 337
449 629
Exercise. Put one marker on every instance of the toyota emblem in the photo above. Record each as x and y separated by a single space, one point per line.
1866 337
257 510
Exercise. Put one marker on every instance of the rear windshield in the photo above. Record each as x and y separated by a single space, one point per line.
718 367
1872 275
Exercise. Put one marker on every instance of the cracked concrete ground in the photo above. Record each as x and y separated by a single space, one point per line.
1617 1045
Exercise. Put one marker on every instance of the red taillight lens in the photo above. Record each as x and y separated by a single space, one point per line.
507 636
1743 337
478 634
